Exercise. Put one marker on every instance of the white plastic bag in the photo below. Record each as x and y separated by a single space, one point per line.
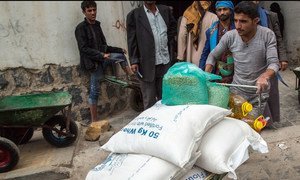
133 167
224 147
172 133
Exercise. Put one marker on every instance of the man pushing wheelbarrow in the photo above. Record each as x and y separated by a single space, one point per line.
254 51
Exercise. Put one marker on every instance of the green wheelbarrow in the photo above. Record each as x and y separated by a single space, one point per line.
135 96
20 115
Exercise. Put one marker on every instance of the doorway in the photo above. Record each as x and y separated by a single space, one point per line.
180 6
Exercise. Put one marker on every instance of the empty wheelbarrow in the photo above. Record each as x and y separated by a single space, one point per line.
21 114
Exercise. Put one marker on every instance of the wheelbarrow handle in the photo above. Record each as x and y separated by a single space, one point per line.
245 86
237 85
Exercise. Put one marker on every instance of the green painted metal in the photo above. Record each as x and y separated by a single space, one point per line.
117 81
32 109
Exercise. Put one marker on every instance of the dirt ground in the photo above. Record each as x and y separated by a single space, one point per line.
88 154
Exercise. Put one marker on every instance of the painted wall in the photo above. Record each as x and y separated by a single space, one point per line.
290 11
33 34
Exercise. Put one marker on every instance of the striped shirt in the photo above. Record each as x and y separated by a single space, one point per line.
159 30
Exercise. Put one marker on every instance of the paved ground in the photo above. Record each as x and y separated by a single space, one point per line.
88 154
282 162
279 163
290 108
39 159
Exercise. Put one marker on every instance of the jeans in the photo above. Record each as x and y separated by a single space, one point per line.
98 75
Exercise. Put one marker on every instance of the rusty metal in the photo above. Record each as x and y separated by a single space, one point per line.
59 132
68 119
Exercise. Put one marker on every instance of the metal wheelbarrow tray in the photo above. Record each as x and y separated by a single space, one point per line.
20 114
32 109
135 96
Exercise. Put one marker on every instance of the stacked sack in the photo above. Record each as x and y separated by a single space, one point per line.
167 135
178 142
225 146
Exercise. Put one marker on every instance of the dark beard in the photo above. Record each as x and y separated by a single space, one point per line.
223 17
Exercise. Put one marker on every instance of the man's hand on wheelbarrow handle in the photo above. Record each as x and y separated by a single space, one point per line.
262 82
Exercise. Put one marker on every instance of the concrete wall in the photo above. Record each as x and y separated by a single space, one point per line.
290 11
39 51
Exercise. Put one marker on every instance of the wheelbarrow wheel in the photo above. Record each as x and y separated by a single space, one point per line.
9 155
56 139
136 100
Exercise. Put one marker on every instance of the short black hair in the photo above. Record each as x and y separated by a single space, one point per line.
247 7
88 4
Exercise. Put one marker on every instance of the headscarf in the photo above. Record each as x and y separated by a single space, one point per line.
275 7
225 4
194 17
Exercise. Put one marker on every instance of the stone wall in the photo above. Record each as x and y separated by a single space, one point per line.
18 81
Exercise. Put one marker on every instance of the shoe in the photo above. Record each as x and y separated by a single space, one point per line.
86 122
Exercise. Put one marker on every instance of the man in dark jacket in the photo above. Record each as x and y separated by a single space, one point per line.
150 32
95 54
